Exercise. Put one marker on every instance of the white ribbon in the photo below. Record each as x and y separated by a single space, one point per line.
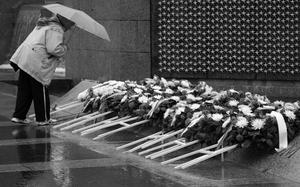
282 130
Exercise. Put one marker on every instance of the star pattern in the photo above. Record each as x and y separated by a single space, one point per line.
242 36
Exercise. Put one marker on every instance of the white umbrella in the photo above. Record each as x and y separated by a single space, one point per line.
80 18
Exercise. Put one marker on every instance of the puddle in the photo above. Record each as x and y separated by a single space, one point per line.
23 132
101 177
44 152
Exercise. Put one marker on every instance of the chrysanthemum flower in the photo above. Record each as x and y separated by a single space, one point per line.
241 122
164 81
157 96
143 99
194 106
156 87
290 114
185 83
258 124
138 90
233 103
169 91
217 107
179 110
216 117
191 97
246 110
175 98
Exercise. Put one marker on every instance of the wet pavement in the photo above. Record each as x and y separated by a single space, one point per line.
41 156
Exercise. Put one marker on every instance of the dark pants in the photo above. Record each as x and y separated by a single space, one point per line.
30 89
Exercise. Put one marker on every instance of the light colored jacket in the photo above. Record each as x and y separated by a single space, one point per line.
41 52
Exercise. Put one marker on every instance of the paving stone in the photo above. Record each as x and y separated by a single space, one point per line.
101 177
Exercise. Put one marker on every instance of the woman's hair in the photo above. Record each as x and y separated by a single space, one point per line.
44 21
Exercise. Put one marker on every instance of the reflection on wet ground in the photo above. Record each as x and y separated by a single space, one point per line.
45 152
122 176
214 169
23 132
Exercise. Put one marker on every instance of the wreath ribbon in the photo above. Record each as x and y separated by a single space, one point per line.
282 130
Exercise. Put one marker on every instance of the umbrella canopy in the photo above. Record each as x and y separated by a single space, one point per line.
80 18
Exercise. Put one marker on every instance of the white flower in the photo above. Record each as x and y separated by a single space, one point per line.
143 99
171 84
217 107
156 78
120 85
179 110
156 87
111 82
134 96
258 124
138 90
149 81
181 103
248 94
185 83
82 95
246 110
191 97
263 102
198 98
290 106
195 106
175 98
168 112
220 95
181 89
157 97
241 122
158 91
296 104
131 85
209 115
217 117
208 90
233 103
169 91
278 103
290 114
164 81
262 99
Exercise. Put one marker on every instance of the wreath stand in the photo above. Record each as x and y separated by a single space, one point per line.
146 146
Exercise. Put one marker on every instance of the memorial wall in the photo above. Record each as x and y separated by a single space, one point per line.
250 45
127 56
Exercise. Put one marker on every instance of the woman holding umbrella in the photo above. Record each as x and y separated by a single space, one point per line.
36 59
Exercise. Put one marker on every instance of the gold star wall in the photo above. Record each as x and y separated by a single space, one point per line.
197 37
